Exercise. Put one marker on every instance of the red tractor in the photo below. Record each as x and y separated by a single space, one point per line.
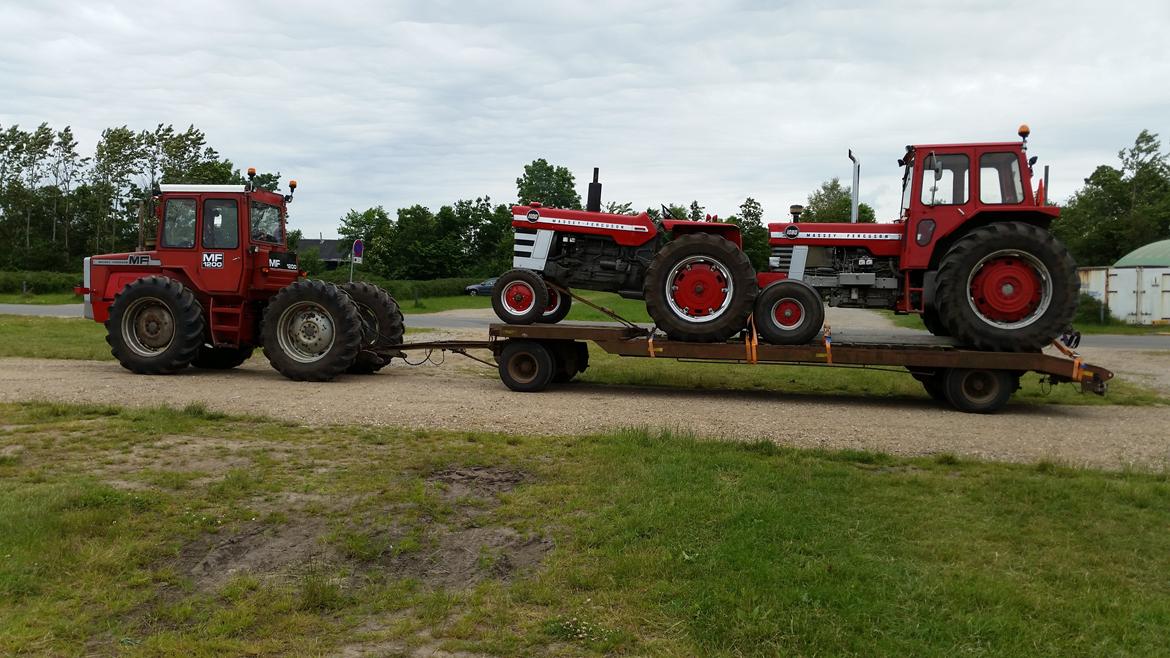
971 253
219 280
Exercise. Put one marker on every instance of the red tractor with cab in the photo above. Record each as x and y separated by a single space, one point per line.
970 252
219 281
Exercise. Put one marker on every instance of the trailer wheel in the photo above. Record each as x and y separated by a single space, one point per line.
520 297
700 287
571 357
155 326
1007 286
526 366
221 358
789 312
932 382
312 331
382 326
558 307
978 391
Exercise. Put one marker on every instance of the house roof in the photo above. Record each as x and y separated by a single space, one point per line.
1155 254
327 249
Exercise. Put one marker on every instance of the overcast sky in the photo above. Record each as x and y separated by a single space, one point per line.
396 103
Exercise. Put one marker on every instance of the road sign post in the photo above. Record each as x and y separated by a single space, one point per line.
356 256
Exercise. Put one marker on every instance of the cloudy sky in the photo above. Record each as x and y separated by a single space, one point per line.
396 103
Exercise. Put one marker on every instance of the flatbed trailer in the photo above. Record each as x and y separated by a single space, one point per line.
530 358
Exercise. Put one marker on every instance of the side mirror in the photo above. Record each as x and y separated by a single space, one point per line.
937 164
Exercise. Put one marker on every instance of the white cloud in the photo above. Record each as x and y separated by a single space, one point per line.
370 103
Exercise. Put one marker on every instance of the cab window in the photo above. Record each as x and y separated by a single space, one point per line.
999 178
221 224
945 179
266 225
179 223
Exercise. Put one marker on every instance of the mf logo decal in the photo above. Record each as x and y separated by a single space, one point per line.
130 259
533 216
792 232
213 260
279 264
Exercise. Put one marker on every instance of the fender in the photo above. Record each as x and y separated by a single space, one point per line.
730 232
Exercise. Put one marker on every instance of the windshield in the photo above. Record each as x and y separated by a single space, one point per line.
907 183
266 226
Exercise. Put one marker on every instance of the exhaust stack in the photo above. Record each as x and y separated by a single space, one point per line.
856 182
594 202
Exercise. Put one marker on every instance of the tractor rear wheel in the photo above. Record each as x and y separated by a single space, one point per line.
789 312
221 358
155 326
558 306
520 297
931 321
700 287
382 326
312 331
1007 286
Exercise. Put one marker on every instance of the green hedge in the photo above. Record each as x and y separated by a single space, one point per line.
1089 311
404 289
38 282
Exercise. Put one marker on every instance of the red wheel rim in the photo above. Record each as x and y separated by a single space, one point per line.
554 302
788 313
699 289
1007 289
518 297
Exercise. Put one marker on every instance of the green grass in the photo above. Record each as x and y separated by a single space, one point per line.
820 381
45 298
664 545
631 309
53 338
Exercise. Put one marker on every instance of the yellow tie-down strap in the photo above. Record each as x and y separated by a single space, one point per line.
1078 372
751 341
828 344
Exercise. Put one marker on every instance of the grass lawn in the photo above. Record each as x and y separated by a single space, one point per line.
148 532
631 309
915 322
46 298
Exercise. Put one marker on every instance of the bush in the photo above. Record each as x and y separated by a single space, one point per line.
403 289
1089 311
38 282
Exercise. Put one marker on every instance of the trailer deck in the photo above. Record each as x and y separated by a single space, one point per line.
531 357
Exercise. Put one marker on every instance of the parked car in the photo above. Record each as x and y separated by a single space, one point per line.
481 288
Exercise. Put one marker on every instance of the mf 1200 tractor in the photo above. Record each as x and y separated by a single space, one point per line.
219 280
970 252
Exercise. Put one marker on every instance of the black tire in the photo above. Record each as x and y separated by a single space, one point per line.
312 331
520 297
155 326
978 391
557 308
221 358
932 381
789 312
571 358
1008 287
723 263
383 326
933 324
526 366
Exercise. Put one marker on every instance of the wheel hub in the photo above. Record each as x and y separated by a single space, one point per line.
306 332
519 297
788 313
699 289
148 327
1010 288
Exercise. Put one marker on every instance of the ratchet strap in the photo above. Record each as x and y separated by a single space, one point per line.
1077 362
828 344
751 341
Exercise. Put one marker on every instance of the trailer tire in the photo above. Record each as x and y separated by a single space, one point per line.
558 306
383 326
932 383
1008 287
520 297
312 331
526 366
572 357
978 391
221 358
789 312
155 326
725 277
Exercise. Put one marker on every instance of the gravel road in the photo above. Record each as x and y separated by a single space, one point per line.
466 396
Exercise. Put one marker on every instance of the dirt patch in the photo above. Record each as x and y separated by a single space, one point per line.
458 559
255 549
484 483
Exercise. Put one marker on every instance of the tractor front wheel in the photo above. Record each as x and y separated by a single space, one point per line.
312 331
520 297
789 312
155 326
558 306
700 287
382 326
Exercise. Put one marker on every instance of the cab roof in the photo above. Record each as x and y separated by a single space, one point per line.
198 189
